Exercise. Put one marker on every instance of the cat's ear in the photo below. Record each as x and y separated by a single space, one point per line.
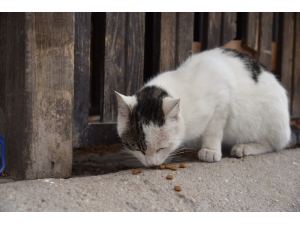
171 107
123 104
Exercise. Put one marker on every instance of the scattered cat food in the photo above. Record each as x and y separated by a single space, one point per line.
174 168
161 167
168 167
177 188
182 165
169 177
154 167
136 171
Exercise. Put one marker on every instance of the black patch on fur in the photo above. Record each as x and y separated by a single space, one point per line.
251 64
147 110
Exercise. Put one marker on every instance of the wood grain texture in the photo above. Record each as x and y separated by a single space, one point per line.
17 112
124 58
252 30
39 94
287 50
265 39
50 86
214 30
135 36
228 27
184 39
3 44
114 65
81 74
168 41
296 76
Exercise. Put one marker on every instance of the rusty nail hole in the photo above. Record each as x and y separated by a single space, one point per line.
52 165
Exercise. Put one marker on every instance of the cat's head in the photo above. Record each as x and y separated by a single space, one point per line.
149 124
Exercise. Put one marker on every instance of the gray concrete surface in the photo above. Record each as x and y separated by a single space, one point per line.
269 182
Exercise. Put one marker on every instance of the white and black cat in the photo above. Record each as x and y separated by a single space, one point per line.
217 96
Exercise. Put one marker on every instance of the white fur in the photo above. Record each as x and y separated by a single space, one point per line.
221 103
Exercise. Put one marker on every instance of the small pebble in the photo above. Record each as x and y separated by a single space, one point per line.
177 188
169 177
136 171
182 165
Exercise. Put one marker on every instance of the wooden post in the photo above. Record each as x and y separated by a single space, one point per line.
39 80
286 49
296 77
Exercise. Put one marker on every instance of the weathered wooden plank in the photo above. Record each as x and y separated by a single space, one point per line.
17 116
287 49
252 30
39 94
296 77
214 30
50 84
168 41
265 39
184 39
81 73
99 134
114 68
228 27
3 57
3 22
134 52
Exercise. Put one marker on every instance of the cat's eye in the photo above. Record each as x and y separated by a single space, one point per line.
159 149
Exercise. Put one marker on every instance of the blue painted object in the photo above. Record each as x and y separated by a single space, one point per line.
2 155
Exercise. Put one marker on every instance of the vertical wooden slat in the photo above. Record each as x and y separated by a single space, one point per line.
15 102
286 49
168 42
3 57
50 87
124 58
81 73
135 52
265 39
214 30
228 27
184 41
296 76
114 63
252 30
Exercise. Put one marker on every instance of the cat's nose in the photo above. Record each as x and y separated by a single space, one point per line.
150 161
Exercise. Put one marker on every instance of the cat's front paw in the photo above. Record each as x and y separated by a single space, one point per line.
208 155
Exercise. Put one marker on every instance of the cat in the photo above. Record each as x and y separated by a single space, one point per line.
219 96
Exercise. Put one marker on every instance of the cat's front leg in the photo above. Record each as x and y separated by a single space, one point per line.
212 139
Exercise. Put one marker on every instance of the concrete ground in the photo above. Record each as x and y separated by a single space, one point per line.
268 182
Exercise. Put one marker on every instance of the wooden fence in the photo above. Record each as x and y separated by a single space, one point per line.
119 51
56 64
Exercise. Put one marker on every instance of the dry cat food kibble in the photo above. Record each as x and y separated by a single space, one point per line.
136 171
177 188
169 177
168 167
182 165
174 168
162 167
